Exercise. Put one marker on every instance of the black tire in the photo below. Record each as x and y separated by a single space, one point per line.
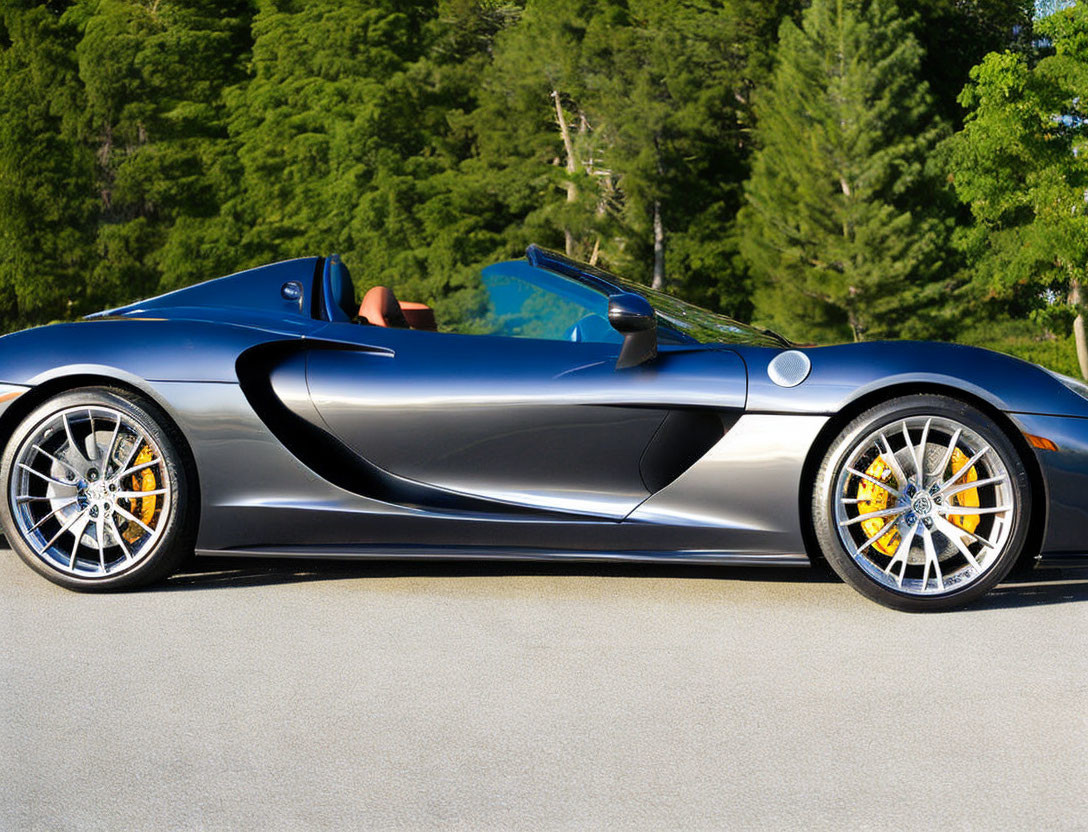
174 542
834 537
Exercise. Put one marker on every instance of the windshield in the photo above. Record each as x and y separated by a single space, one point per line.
679 322
700 324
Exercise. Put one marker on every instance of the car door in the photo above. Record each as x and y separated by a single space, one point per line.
543 424
523 406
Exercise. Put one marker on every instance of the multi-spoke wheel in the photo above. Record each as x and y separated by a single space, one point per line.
922 503
96 491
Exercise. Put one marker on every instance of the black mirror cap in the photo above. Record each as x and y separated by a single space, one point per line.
628 312
633 316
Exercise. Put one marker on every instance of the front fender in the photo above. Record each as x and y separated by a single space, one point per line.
846 373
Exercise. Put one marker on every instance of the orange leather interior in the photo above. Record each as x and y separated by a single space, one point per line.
380 308
419 316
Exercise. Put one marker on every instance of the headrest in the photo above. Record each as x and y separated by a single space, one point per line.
339 290
380 308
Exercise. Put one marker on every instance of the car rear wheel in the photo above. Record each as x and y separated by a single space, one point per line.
97 491
922 503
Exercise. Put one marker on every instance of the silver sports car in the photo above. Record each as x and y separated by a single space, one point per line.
568 415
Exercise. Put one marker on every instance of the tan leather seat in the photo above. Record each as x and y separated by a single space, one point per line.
380 308
419 315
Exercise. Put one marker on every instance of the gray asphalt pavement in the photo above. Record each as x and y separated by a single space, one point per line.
257 695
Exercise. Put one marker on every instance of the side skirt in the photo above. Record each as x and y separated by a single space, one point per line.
1060 560
514 554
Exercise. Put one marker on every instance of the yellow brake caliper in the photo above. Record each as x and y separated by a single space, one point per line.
874 498
968 498
144 507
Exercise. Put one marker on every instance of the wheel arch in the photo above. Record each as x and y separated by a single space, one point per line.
25 404
1038 511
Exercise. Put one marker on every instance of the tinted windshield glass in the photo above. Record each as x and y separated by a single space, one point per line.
561 299
697 323
678 322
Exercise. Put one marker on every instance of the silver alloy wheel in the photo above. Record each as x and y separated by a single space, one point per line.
78 492
922 544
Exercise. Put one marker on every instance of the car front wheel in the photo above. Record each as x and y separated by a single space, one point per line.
922 503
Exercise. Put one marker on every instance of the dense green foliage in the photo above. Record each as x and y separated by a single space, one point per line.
837 218
836 168
1020 164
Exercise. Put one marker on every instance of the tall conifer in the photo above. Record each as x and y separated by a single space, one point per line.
47 184
836 227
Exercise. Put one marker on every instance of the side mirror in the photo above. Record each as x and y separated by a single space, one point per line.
632 316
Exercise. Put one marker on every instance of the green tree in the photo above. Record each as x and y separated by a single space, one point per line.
326 111
445 209
152 77
148 145
671 99
1021 162
836 228
957 34
47 176
533 132
619 131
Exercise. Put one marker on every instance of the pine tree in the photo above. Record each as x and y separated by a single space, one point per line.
327 114
835 228
144 146
441 214
618 131
153 77
672 98
47 187
533 133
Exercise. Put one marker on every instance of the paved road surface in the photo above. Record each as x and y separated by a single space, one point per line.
320 696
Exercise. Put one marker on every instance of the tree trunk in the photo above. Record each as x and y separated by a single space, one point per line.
659 248
855 324
659 224
572 166
1079 337
105 152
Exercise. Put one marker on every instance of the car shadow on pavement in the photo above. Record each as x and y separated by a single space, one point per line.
209 573
1046 586
1043 586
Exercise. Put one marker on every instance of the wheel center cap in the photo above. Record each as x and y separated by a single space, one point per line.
922 505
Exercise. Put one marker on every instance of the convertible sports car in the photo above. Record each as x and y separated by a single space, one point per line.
574 416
